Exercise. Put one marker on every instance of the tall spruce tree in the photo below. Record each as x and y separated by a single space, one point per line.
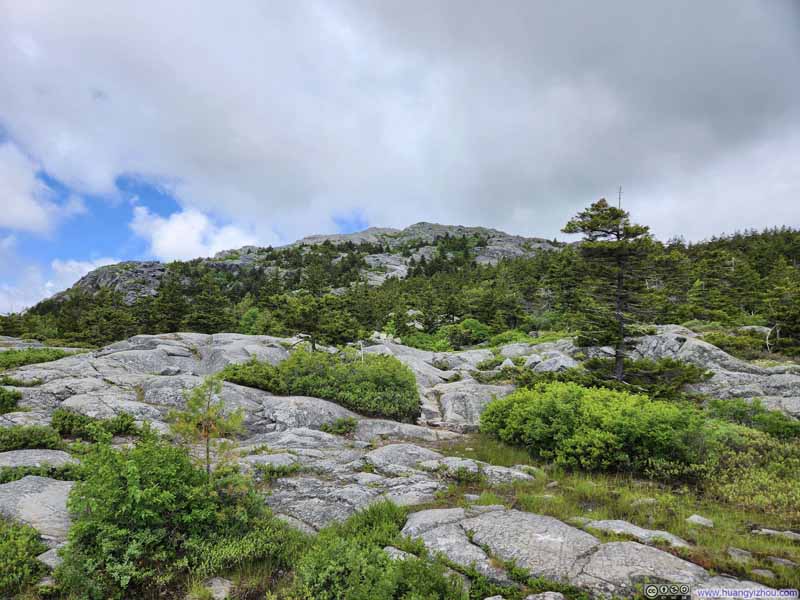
614 250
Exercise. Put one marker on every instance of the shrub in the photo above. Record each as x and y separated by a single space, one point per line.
467 333
602 430
662 379
347 561
28 436
65 473
747 345
371 384
343 426
17 358
19 547
434 342
6 380
753 414
8 400
144 516
69 422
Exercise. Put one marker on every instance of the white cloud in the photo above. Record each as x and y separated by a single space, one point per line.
187 234
32 283
506 114
63 273
26 203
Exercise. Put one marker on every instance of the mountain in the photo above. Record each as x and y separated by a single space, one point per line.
386 253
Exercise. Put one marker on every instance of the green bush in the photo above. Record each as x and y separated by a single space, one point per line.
343 426
434 342
467 333
143 517
69 422
17 358
8 400
753 414
19 547
603 430
347 561
20 437
371 384
71 472
747 345
662 379
6 380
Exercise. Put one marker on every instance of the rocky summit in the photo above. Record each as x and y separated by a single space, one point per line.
325 478
386 253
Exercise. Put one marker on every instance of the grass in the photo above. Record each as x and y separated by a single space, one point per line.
11 359
599 497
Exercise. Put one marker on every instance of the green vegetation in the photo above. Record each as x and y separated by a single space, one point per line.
651 505
145 516
662 379
348 561
370 384
749 278
753 414
13 381
601 430
343 426
64 473
10 359
70 423
20 437
8 400
204 421
19 547
615 252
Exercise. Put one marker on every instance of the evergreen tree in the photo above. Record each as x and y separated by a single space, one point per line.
209 312
615 250
204 420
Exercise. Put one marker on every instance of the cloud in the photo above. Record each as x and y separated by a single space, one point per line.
27 203
32 283
187 234
275 119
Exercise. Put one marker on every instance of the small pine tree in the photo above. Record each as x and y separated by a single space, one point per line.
614 250
204 421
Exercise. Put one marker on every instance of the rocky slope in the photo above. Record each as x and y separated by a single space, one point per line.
137 279
336 476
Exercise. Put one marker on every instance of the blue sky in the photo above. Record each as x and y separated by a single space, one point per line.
146 129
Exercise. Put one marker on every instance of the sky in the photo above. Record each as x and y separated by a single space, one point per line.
171 130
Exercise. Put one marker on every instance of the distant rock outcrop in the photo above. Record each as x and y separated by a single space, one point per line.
139 279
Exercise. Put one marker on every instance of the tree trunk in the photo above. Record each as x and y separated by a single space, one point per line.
208 457
619 351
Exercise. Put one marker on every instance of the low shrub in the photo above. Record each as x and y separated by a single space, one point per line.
69 422
434 342
602 430
65 473
20 437
7 380
145 516
343 426
663 379
11 359
753 414
8 400
370 384
747 345
347 561
19 547
467 333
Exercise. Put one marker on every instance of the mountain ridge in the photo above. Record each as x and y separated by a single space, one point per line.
135 279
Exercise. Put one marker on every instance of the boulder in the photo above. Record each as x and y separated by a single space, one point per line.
541 545
647 536
617 568
36 458
463 402
40 502
699 520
